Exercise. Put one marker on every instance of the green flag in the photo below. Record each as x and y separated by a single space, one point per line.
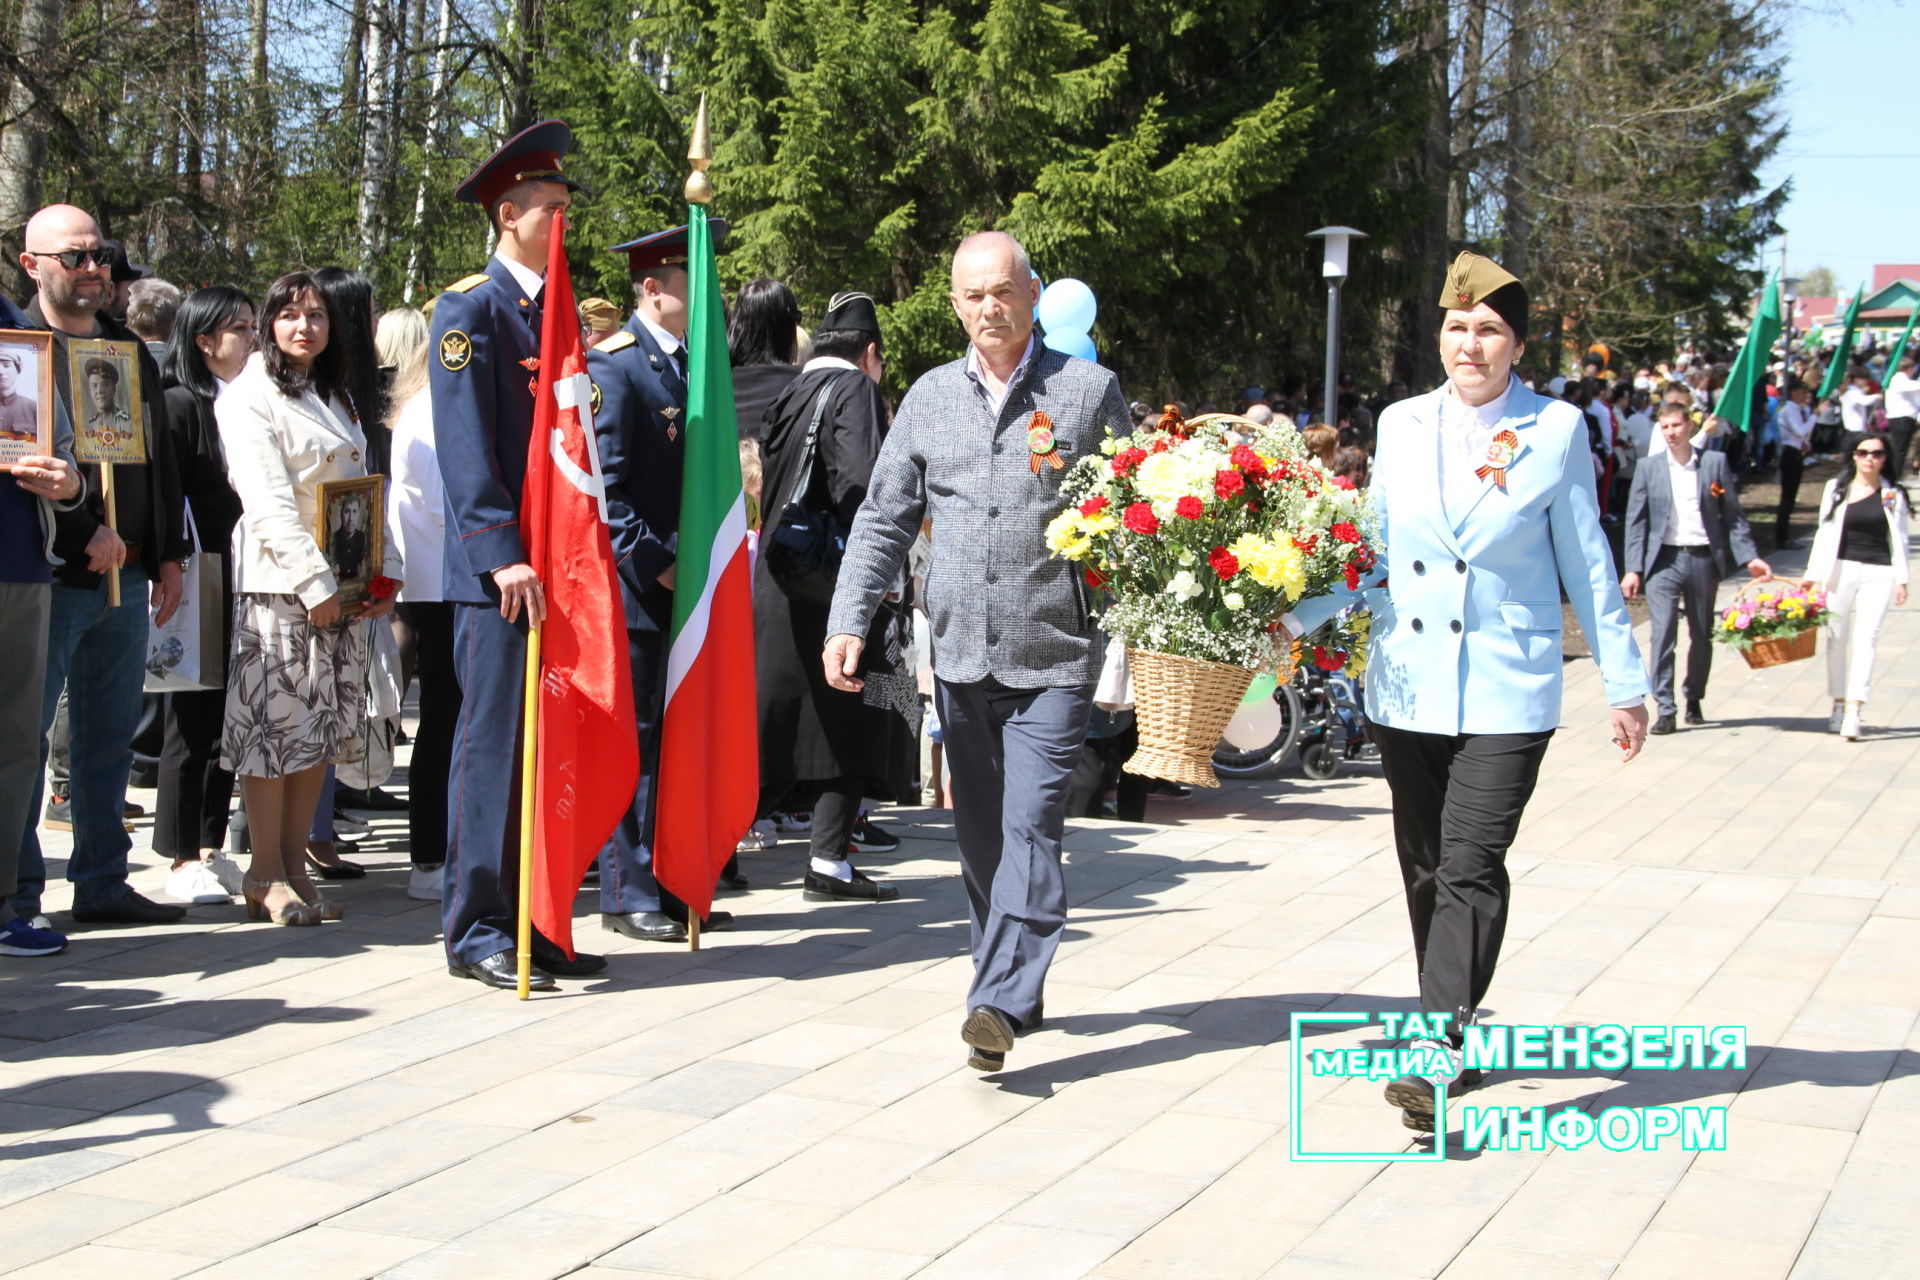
1900 348
1842 350
704 798
1736 399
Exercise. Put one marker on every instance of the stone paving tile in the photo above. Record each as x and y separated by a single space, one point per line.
218 1097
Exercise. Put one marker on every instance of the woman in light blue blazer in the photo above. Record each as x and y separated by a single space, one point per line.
1487 511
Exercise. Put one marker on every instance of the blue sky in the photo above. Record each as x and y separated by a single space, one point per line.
1846 94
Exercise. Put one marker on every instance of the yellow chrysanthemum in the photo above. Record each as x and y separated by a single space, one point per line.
1071 534
1271 563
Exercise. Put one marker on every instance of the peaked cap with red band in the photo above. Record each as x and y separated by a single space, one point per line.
666 248
532 155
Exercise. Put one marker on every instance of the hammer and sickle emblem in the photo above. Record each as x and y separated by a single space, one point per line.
456 349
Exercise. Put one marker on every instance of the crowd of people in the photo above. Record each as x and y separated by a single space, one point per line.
946 616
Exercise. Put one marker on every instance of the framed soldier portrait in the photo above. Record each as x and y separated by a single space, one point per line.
108 416
349 522
26 395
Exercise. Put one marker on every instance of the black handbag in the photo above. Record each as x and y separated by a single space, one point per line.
804 547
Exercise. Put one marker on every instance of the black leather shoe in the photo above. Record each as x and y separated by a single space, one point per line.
1038 1020
1414 1096
986 1060
819 888
646 926
338 869
130 908
373 799
989 1029
502 970
1662 723
730 874
1694 715
715 922
550 957
131 810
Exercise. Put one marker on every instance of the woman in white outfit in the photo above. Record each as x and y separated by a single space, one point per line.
1860 557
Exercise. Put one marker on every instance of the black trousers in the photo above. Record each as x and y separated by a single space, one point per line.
1457 802
432 625
1792 463
196 794
1899 437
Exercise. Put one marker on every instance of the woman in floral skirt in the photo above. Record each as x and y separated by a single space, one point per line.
297 680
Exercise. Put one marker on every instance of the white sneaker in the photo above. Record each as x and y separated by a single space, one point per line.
1442 1061
761 836
793 824
1835 716
425 884
226 871
343 825
1850 725
195 882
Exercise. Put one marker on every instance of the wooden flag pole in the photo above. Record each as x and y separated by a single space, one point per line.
106 495
528 735
693 930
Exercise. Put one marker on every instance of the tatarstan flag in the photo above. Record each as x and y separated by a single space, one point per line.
586 747
709 779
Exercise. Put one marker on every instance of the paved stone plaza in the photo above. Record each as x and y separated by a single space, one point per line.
221 1098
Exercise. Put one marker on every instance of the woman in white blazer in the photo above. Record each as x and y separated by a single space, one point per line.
1859 557
296 683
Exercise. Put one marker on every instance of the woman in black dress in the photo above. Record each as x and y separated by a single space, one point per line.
845 745
213 334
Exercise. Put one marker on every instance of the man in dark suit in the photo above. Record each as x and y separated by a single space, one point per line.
639 421
350 543
1685 530
482 362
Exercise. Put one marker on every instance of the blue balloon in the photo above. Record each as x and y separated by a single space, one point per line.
1068 304
1071 342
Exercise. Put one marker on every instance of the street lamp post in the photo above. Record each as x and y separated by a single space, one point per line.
1333 266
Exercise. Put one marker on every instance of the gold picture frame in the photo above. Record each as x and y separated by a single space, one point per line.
109 417
350 526
26 420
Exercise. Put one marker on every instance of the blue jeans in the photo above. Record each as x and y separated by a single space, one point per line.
98 655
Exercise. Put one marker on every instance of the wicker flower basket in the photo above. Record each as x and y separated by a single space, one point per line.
1182 706
1776 651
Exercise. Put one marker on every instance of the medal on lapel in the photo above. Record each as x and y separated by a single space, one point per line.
1501 451
1041 444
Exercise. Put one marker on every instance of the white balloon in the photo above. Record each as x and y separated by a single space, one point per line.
1254 725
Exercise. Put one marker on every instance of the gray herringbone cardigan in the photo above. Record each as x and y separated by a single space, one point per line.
999 603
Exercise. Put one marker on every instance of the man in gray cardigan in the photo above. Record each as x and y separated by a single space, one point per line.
981 446
1684 532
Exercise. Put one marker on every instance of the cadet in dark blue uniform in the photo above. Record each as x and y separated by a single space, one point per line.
640 381
486 347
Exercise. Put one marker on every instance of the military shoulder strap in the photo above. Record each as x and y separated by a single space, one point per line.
618 342
468 284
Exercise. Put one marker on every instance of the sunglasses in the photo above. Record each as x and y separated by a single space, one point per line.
1869 453
74 259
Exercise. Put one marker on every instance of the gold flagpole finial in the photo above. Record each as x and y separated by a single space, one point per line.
699 187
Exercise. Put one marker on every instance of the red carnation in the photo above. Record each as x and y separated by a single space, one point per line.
1228 483
1093 506
1328 659
1345 532
1341 482
1140 519
1096 579
1248 461
380 586
1126 460
1189 508
1224 563
1353 578
1307 547
1162 444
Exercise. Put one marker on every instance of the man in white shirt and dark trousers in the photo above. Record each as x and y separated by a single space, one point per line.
1796 441
1903 406
1684 528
